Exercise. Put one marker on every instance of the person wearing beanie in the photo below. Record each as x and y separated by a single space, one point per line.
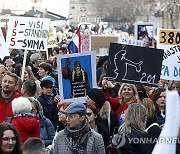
107 116
77 137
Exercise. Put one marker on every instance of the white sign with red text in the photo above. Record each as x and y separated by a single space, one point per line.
28 33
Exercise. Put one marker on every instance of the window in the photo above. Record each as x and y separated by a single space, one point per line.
98 19
82 19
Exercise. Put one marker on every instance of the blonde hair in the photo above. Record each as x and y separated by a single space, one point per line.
171 82
133 87
149 105
133 118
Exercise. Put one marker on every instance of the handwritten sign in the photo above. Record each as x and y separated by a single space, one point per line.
135 64
171 59
28 33
3 47
131 42
52 41
85 43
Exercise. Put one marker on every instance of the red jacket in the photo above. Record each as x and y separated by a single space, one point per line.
6 108
118 108
27 125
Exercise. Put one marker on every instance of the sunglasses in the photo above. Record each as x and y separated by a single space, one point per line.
89 114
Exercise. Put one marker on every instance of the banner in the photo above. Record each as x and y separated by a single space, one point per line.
169 40
85 43
3 47
52 37
76 74
135 64
28 33
131 42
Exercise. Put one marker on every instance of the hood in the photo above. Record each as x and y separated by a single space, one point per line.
26 123
104 112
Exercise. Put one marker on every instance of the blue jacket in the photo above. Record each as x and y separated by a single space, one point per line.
47 131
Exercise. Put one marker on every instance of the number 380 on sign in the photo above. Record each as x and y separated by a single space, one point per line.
169 37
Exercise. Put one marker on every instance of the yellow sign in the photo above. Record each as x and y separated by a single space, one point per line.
169 37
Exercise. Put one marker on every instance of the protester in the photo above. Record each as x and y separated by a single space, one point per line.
3 70
33 146
27 124
174 85
28 74
77 137
45 69
127 95
10 65
132 128
159 100
97 98
8 93
35 60
61 124
152 128
47 130
48 102
10 142
97 125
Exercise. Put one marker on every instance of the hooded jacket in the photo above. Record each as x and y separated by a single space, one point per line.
28 125
6 107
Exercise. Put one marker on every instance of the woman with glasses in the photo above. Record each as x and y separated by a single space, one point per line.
10 142
96 123
131 137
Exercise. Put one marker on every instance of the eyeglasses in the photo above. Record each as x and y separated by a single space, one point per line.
7 139
89 114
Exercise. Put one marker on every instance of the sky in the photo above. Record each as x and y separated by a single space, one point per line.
60 7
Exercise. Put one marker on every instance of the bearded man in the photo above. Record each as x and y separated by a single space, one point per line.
7 94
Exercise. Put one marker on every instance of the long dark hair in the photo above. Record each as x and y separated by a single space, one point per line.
7 126
156 95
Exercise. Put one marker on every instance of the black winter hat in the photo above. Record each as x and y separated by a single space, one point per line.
98 96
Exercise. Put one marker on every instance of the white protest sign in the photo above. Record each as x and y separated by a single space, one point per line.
3 47
169 40
85 43
52 37
131 42
166 143
28 33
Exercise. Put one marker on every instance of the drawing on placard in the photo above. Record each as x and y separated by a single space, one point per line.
128 63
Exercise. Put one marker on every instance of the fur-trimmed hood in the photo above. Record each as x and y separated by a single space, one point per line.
105 110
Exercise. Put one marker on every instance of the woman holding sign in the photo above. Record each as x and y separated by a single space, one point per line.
127 95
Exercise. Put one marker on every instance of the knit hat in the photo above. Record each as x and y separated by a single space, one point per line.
98 96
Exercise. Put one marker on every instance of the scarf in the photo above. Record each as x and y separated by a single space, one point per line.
77 138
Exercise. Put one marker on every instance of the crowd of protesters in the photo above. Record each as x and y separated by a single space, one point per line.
34 120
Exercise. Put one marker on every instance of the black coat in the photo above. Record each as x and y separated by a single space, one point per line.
50 109
131 147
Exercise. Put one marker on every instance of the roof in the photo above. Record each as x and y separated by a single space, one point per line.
40 14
